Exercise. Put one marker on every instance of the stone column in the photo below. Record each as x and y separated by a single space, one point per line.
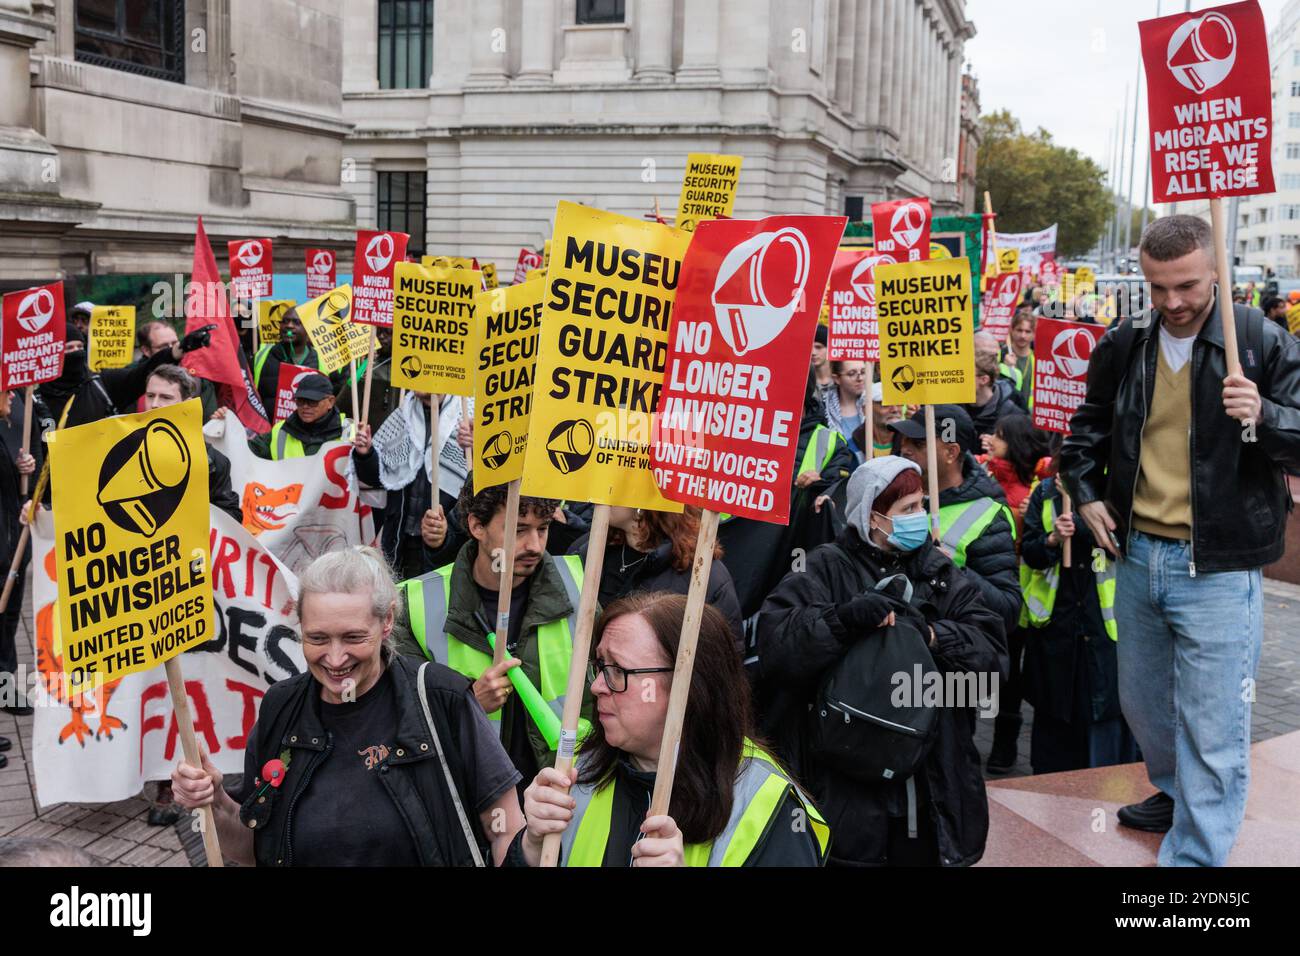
537 46
866 58
848 52
952 137
28 163
487 49
700 43
909 87
219 72
654 41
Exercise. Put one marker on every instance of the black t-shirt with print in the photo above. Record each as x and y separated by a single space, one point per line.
346 816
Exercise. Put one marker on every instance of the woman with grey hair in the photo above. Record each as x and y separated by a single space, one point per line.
369 758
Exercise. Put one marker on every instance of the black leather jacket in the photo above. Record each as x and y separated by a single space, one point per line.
1240 499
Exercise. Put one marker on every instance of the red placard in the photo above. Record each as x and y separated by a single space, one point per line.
1049 273
321 272
527 260
901 228
33 333
727 425
250 267
853 334
287 386
999 303
1061 352
372 275
1210 103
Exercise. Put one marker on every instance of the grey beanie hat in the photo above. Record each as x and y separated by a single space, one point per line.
865 484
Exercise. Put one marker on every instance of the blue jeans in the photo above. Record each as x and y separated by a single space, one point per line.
1188 649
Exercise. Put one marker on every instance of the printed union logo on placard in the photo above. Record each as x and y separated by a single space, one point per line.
1071 349
907 224
904 378
379 252
758 288
36 310
322 263
334 310
863 277
250 253
570 445
496 452
1202 52
143 478
411 366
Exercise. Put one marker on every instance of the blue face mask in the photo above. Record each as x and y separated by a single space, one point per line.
910 531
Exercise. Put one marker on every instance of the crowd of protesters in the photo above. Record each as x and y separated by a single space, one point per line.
789 716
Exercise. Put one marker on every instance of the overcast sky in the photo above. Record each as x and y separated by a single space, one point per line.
1065 66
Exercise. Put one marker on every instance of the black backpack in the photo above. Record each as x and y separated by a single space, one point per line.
856 726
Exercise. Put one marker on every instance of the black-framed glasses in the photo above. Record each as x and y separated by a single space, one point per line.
616 677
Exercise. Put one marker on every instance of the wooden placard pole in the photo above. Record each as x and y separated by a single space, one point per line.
673 720
27 429
507 572
595 566
370 372
932 470
356 405
869 415
1065 545
1219 222
190 745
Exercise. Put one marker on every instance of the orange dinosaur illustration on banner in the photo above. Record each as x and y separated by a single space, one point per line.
269 509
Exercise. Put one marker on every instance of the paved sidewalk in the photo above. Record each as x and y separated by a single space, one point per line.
118 833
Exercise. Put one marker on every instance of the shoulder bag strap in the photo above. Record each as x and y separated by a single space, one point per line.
446 770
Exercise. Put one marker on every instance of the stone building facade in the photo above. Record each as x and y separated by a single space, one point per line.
462 122
515 104
123 120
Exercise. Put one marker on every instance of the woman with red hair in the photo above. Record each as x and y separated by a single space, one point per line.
654 551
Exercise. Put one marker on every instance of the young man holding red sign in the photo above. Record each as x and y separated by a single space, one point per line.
1178 467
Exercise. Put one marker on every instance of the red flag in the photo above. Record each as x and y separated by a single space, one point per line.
223 362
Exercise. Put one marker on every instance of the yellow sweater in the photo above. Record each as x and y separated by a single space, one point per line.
1162 504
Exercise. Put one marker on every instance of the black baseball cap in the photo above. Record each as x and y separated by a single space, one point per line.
961 426
313 388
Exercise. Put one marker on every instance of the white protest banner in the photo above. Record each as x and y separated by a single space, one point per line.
1032 246
102 746
299 508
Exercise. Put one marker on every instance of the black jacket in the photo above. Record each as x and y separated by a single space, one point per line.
1005 401
289 720
11 498
800 636
99 395
655 572
1070 670
1239 496
220 492
990 558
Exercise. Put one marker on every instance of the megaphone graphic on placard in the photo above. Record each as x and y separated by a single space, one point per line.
1009 292
496 451
863 277
322 263
379 252
907 224
35 310
1071 350
144 476
336 308
1202 52
759 285
250 253
570 445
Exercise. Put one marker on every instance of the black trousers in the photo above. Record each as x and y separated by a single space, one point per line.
8 645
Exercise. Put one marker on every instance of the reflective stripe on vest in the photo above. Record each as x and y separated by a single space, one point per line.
759 791
817 456
1039 587
960 524
259 360
429 596
284 445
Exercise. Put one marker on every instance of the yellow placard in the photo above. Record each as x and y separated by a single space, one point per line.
708 188
433 320
489 270
112 336
532 274
927 344
328 322
269 312
1009 260
447 262
1084 274
507 323
131 525
601 355
546 254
